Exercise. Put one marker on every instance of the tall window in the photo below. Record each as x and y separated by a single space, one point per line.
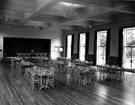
69 45
82 46
101 47
129 47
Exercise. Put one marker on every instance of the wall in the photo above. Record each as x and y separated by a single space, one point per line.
53 34
114 36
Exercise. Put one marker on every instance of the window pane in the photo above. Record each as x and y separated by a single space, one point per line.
101 47
82 50
130 37
103 38
82 39
102 56
69 40
129 47
69 52
82 58
69 44
82 46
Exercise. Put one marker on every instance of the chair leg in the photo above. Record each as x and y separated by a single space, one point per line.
47 83
32 85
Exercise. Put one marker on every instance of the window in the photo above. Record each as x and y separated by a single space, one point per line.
82 46
69 45
129 48
101 47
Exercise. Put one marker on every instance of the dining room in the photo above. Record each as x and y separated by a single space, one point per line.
67 52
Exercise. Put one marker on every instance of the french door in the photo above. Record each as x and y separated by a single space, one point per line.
82 46
129 48
101 47
69 46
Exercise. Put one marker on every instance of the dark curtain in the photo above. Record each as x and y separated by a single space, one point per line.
87 46
120 49
72 47
108 45
78 45
95 48
66 47
25 45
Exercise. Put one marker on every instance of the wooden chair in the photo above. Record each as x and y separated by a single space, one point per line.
81 79
27 75
34 79
92 74
101 73
50 80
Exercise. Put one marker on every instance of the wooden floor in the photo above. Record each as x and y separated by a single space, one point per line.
18 92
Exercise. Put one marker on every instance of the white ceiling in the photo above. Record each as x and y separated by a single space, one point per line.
52 13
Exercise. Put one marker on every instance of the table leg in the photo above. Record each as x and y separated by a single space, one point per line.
42 85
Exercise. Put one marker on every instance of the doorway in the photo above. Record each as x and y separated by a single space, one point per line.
101 47
82 46
129 48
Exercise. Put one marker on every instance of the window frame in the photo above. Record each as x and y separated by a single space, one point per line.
71 47
104 47
83 46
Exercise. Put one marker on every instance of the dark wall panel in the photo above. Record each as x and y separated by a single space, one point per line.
25 45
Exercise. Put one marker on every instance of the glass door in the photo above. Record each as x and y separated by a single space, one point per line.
101 47
129 48
82 46
69 45
129 59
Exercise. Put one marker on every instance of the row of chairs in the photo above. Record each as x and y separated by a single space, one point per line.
31 54
82 76
105 73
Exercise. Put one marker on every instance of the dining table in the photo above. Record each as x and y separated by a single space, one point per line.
43 73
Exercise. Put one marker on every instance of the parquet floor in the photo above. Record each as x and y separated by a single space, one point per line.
18 92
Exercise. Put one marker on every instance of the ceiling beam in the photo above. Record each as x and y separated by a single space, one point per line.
43 6
63 27
74 23
116 9
104 5
104 10
123 11
84 21
47 18
98 20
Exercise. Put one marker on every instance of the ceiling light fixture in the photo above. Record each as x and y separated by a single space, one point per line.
72 11
89 26
41 27
6 18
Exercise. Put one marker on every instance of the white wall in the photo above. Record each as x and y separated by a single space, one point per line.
53 34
